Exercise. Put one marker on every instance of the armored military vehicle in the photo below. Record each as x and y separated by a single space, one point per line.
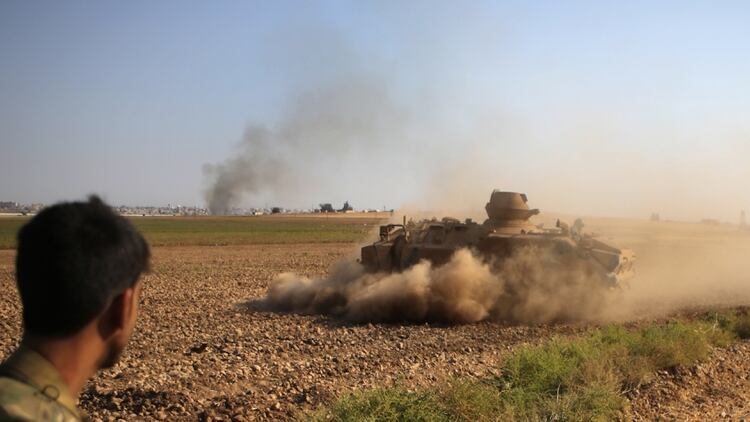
506 231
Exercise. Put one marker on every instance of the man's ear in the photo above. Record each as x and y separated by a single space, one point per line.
115 318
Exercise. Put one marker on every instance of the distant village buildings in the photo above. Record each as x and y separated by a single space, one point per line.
8 206
175 210
11 207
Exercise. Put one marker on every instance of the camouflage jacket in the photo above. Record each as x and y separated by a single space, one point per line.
31 389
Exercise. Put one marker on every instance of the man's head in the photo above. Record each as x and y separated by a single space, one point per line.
78 264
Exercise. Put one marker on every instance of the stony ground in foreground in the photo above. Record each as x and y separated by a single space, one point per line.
201 354
715 390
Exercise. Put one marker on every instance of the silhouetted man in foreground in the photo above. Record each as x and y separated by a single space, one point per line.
77 269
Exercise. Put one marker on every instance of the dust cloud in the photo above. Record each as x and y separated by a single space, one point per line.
525 288
679 266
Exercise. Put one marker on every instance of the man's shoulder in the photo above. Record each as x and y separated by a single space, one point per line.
22 402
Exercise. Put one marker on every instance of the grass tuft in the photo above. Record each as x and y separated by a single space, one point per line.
464 400
734 322
392 404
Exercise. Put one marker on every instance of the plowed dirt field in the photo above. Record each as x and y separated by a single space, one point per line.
200 353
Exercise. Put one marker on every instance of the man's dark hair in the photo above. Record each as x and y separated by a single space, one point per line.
72 260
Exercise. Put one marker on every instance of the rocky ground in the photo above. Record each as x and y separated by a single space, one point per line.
201 353
715 390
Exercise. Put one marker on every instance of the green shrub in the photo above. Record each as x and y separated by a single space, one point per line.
592 402
392 404
735 322
671 345
465 400
547 369
742 327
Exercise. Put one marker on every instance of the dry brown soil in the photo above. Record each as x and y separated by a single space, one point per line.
200 353
715 390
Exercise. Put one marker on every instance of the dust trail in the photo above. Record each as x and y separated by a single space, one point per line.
678 266
704 267
529 287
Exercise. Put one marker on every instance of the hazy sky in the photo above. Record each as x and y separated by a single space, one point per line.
607 108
